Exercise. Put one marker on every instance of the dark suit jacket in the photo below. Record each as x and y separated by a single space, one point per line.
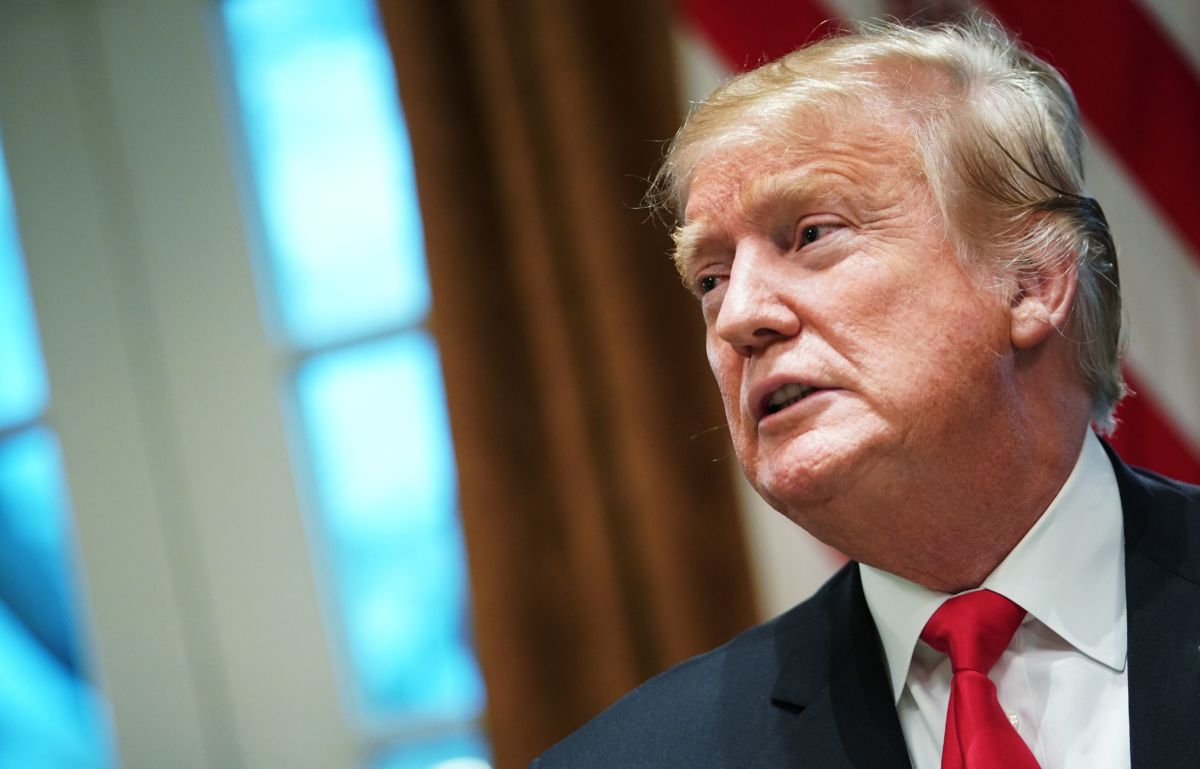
810 689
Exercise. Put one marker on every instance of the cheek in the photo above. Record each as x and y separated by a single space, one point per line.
947 360
726 368
916 342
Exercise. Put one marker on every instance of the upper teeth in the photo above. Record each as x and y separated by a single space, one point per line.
787 395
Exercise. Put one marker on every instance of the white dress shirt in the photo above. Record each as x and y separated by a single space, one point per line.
1063 680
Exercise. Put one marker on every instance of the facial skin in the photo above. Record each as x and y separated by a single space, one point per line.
826 265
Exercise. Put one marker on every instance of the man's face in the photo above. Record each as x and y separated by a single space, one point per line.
856 357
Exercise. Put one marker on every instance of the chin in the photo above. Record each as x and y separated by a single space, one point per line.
792 485
813 470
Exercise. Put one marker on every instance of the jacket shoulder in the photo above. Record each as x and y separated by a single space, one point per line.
696 713
1162 520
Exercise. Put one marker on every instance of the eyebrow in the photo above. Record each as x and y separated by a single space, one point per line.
689 240
759 199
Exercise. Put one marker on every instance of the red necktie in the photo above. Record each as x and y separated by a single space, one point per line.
974 629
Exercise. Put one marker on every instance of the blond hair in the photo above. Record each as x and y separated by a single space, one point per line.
997 138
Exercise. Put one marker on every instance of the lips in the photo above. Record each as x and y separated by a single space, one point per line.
772 397
784 397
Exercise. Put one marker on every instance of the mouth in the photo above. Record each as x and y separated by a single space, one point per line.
785 396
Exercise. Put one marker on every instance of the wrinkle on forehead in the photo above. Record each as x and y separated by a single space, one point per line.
855 100
854 135
826 182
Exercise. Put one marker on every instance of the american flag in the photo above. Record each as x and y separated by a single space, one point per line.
1135 69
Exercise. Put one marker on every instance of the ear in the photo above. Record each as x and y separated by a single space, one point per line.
1041 303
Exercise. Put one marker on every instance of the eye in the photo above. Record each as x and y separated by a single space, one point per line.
811 233
707 283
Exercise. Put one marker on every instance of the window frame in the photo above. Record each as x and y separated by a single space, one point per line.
206 618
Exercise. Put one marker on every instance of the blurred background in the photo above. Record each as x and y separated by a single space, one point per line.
351 414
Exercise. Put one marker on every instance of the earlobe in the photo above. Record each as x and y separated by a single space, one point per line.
1041 303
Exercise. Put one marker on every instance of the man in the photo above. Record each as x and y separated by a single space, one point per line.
913 318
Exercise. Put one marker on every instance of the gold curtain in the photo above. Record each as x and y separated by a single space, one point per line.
597 503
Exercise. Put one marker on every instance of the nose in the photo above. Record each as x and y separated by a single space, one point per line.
756 308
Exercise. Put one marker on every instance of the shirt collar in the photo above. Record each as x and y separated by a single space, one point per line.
1071 583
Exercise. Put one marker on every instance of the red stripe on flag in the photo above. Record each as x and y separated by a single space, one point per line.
1144 437
751 33
1135 88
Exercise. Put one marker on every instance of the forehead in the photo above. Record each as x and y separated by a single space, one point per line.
850 157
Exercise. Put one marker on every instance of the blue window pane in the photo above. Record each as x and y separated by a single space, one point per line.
465 751
384 469
35 581
49 715
332 165
22 378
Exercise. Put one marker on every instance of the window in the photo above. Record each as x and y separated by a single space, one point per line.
49 713
342 266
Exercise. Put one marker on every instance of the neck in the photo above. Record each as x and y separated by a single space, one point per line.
964 533
950 519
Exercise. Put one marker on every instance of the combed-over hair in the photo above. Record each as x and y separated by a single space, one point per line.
997 138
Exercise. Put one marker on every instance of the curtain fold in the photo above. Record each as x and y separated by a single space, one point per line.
596 482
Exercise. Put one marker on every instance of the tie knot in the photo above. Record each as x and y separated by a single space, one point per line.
974 629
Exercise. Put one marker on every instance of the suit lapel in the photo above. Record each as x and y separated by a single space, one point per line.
832 697
1162 585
